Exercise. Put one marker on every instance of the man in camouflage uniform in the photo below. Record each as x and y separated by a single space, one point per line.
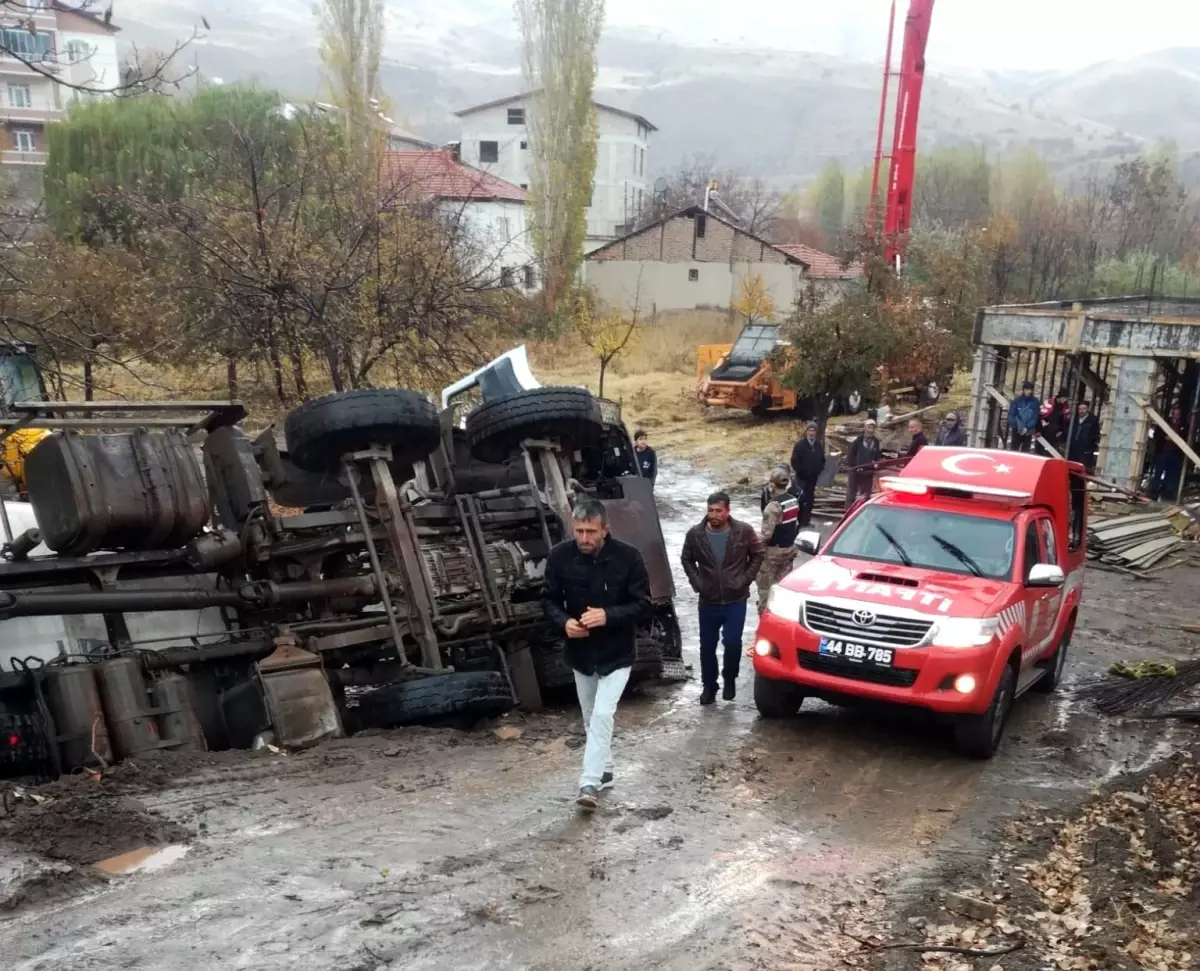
780 526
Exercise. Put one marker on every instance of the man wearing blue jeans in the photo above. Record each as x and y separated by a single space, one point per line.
721 557
596 593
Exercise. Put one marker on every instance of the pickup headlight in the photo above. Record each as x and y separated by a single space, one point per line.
785 603
965 632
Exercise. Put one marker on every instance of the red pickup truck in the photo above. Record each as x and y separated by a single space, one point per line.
955 589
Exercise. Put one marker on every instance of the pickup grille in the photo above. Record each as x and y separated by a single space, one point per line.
841 668
887 630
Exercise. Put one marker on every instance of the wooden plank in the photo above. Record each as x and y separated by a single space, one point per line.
1144 403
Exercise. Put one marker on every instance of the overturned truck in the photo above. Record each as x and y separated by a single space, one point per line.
381 566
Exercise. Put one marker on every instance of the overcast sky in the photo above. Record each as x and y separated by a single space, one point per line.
1016 34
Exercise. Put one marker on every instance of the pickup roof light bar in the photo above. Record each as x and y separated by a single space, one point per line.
922 487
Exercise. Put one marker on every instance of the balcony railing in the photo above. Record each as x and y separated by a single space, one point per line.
14 157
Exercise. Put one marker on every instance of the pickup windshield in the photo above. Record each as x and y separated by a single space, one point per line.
929 539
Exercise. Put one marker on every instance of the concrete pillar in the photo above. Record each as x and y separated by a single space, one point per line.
978 417
1125 426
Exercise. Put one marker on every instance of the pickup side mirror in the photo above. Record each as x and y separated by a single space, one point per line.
809 542
1045 575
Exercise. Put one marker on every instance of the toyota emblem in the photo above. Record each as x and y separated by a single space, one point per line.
864 618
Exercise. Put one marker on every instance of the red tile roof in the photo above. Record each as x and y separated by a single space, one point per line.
823 266
438 175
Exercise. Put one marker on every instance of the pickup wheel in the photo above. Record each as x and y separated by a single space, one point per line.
1055 665
776 699
979 735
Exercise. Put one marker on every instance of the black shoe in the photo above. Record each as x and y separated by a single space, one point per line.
708 696
730 691
606 782
588 800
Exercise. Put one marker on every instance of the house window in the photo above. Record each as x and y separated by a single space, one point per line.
24 140
502 225
78 50
516 116
524 146
530 281
506 276
701 225
23 44
489 152
693 276
19 96
641 161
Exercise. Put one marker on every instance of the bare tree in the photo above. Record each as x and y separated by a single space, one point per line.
559 47
351 49
757 206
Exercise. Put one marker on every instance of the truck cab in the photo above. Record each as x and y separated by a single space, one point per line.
954 589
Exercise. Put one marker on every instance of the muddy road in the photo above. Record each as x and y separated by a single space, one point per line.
728 842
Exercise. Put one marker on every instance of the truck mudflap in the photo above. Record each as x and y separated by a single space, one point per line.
634 520
298 699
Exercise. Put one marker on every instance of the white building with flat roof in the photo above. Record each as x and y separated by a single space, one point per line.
494 137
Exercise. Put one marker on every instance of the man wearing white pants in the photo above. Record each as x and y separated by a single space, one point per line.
596 593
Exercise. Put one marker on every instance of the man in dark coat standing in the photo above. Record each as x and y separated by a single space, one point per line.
951 435
864 452
1083 441
721 557
808 462
596 593
919 441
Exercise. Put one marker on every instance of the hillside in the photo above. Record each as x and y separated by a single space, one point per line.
779 114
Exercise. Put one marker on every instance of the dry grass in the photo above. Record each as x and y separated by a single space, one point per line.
655 384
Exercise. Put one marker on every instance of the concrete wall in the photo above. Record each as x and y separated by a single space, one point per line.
622 181
659 287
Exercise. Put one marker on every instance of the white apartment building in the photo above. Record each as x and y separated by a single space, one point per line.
72 45
494 137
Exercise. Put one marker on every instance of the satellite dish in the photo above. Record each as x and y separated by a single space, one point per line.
660 184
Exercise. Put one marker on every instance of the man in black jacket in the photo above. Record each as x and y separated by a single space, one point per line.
808 462
596 592
864 452
919 441
1083 440
721 558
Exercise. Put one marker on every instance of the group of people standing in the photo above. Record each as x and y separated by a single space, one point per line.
866 451
1073 436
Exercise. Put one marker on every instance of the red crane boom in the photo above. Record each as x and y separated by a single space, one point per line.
897 216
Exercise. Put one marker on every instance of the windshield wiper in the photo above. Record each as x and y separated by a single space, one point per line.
904 557
958 554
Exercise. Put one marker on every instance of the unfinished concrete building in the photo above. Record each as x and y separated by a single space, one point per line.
1132 358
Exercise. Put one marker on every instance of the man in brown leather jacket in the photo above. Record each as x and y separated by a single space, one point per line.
721 557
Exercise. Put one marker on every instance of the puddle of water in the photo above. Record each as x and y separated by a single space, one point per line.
146 859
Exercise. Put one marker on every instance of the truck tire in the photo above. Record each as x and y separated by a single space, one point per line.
978 736
649 661
1056 664
776 699
321 431
462 694
554 674
496 428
